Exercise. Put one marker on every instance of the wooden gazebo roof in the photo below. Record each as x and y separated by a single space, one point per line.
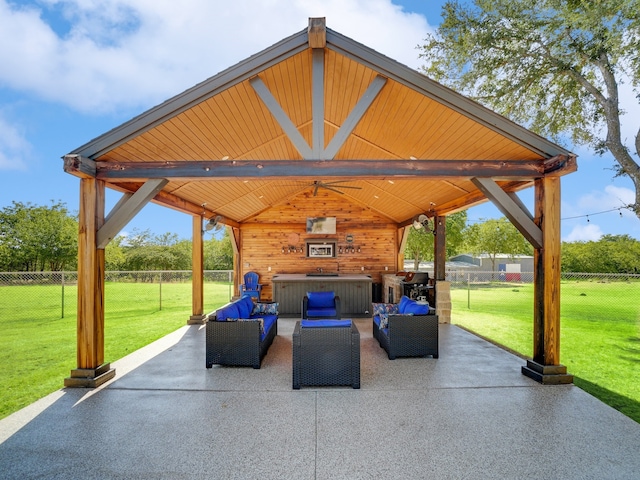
314 109
319 107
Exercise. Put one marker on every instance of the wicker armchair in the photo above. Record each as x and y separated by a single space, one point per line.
405 335
321 305
326 355
409 336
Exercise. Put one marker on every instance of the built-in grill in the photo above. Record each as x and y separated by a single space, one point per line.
416 286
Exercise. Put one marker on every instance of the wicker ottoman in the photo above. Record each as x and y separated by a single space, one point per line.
325 354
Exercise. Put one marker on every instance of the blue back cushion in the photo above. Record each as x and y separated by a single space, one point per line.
230 311
403 303
321 299
416 308
245 306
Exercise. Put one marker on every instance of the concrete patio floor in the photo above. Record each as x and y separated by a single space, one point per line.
468 414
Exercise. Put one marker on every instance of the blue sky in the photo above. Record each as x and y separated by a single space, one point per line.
70 70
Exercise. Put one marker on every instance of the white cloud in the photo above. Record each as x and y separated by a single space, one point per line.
610 198
136 53
14 148
581 233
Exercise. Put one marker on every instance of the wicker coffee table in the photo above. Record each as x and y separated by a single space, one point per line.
326 353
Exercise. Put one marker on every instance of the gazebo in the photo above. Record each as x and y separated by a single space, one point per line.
318 126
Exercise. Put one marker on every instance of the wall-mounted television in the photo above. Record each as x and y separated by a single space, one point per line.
321 225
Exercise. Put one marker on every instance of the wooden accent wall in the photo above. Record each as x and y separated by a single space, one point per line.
263 238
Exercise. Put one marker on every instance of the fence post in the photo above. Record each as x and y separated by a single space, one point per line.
468 291
160 281
62 280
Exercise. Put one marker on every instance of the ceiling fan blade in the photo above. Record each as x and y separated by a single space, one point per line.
332 189
336 183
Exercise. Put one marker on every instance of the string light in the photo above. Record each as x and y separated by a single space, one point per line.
586 215
619 209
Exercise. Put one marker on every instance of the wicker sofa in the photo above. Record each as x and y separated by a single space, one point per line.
240 333
406 329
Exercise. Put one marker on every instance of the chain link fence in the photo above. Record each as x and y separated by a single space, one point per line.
53 295
601 291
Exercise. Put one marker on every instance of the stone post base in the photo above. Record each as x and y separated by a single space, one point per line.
547 374
90 377
443 301
197 320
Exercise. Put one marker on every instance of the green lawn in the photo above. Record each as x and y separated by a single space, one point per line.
600 332
600 341
38 347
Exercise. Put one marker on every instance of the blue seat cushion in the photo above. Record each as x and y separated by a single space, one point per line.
321 300
382 320
268 321
325 323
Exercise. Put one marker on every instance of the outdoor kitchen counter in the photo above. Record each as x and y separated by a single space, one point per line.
354 291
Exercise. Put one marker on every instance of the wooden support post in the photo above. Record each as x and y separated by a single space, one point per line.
91 371
197 274
545 366
440 248
402 234
442 294
236 239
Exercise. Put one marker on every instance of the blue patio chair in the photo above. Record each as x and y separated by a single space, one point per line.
251 286
321 305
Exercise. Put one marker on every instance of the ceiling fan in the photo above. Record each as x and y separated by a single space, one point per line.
333 186
214 223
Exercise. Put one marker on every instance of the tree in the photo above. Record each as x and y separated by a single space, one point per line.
553 65
496 236
218 253
420 242
34 237
145 251
610 254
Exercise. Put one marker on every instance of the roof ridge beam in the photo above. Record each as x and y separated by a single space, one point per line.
317 32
